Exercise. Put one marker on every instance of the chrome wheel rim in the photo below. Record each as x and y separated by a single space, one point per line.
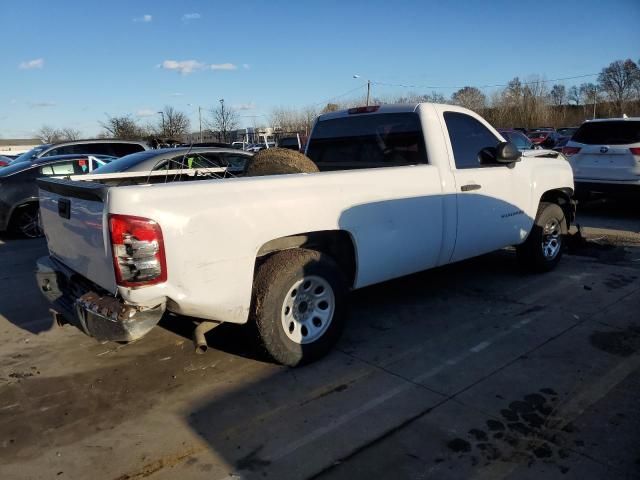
551 239
307 309
30 224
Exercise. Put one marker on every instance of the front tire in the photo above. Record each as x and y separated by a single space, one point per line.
542 250
298 305
26 221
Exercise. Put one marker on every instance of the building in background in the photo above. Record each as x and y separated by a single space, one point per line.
16 146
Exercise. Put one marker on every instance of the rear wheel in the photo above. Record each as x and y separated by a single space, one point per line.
542 250
26 221
298 305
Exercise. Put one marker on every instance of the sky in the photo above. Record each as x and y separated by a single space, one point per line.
72 63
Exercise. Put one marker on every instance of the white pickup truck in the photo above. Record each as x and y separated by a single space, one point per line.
400 189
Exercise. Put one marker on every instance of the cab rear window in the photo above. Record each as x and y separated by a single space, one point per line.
368 141
617 132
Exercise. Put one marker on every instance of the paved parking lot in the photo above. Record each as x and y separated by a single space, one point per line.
476 370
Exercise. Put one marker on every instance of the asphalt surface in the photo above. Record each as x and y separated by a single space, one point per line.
476 370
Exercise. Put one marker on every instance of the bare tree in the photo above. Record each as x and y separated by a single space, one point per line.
48 134
471 98
619 81
70 134
123 127
589 92
331 107
173 124
574 95
558 95
223 120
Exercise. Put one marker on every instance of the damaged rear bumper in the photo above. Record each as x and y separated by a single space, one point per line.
95 312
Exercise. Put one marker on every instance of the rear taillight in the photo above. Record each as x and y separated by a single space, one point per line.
138 251
568 151
635 151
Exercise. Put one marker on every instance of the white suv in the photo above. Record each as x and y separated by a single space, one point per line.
605 155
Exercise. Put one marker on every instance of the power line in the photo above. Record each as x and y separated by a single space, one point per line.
340 96
455 87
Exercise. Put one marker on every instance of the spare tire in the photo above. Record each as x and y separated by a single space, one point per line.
277 161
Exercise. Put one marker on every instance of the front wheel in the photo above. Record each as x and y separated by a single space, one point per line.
298 305
542 250
26 221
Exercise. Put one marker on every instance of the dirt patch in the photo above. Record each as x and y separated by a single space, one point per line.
529 432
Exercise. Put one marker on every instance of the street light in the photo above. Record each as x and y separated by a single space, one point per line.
199 117
368 88
162 113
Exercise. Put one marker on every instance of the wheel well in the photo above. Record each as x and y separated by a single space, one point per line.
561 197
336 243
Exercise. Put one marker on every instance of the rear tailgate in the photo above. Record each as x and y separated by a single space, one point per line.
74 219
605 162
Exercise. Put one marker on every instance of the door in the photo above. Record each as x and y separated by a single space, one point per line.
491 197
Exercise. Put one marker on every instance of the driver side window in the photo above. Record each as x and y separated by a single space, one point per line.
474 146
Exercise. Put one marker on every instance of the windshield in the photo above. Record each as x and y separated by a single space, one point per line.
538 134
31 154
518 139
123 164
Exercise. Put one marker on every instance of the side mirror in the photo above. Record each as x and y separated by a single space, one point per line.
507 152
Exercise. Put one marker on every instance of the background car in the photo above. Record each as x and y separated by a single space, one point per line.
19 191
546 138
605 155
109 147
178 158
518 138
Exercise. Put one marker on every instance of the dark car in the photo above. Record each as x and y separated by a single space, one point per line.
178 158
109 147
518 138
546 138
19 191
564 135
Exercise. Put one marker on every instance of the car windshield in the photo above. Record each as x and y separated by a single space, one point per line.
567 131
518 139
614 132
31 154
127 162
537 134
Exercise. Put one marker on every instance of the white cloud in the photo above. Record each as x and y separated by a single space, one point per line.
184 66
191 16
177 94
245 106
31 64
42 104
223 66
144 19
145 112
246 66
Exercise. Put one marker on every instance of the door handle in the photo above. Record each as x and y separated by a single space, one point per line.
470 186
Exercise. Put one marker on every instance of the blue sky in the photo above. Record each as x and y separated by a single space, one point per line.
69 63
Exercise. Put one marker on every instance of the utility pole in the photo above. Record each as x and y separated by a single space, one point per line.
223 123
595 100
163 129
200 120
368 91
